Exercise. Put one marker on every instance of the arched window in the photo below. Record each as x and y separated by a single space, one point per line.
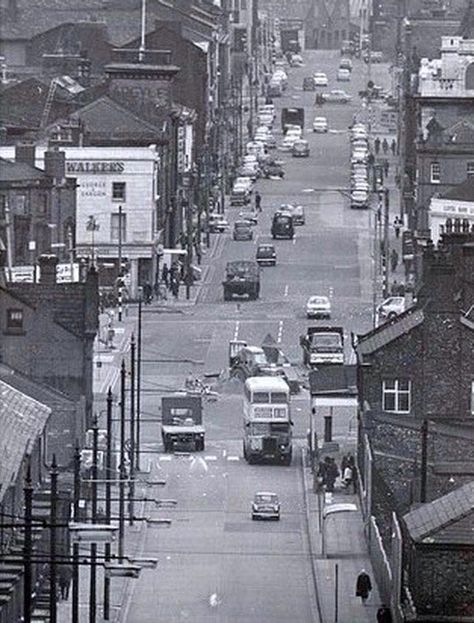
470 77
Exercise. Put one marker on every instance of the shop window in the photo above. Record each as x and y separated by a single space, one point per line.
435 173
14 319
118 191
118 223
396 395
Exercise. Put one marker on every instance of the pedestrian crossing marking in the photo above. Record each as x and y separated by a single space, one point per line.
165 458
233 458
211 458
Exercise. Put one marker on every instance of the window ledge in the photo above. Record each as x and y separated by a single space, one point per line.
14 332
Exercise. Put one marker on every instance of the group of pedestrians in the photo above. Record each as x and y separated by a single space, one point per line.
171 277
385 146
328 473
363 589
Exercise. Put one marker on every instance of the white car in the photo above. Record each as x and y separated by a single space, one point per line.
320 79
293 128
244 181
359 199
360 184
265 119
288 142
391 307
296 60
256 148
266 505
343 75
267 109
320 124
318 307
359 156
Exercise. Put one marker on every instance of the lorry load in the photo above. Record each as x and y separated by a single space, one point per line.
241 277
181 422
322 346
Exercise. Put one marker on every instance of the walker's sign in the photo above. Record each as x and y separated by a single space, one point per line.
94 166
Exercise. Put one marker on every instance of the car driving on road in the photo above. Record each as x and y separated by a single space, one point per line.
320 124
320 79
266 505
337 96
266 255
300 149
318 307
242 230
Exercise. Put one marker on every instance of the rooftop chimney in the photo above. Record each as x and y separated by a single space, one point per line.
48 264
25 152
55 164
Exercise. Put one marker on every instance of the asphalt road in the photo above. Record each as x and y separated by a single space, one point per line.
215 564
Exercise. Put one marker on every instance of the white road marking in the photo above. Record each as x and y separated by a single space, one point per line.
224 453
233 458
165 458
210 457
280 331
286 290
331 292
294 239
236 330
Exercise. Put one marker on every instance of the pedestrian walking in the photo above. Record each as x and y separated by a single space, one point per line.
347 476
173 274
394 260
363 585
401 289
147 293
377 145
397 225
353 466
331 474
393 146
394 288
175 287
386 167
65 576
385 146
384 614
258 202
165 274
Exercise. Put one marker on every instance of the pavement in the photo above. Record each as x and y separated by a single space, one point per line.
215 564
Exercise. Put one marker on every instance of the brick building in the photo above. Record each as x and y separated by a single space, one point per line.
452 209
327 24
48 331
416 400
37 206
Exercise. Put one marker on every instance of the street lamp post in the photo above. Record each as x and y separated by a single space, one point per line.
52 541
122 462
131 489
75 547
93 554
108 504
139 378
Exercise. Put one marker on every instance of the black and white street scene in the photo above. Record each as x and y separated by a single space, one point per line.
237 311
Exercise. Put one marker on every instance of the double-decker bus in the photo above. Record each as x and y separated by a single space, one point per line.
267 419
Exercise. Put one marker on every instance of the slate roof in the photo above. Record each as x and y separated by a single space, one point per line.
22 420
11 171
386 333
104 119
461 192
334 380
448 519
48 396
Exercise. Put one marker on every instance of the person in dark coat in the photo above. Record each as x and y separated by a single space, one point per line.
384 614
65 576
394 260
386 167
331 473
393 146
147 293
165 274
385 146
397 225
175 287
377 145
363 586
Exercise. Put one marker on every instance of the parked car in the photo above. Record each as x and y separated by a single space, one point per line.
308 83
359 199
320 124
391 307
242 230
217 224
345 63
266 505
288 142
250 215
318 307
320 79
266 255
300 149
296 60
337 96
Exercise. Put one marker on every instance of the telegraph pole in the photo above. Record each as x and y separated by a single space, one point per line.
120 282
27 547
131 489
75 547
108 499
93 555
122 463
52 541
139 379
424 461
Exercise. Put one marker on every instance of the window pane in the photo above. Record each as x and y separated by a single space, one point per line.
404 402
389 402
389 384
403 385
262 397
15 318
118 191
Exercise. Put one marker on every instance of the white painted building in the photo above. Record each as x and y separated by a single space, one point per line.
117 187
454 206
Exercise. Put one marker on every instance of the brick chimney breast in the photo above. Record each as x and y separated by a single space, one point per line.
48 264
55 164
25 152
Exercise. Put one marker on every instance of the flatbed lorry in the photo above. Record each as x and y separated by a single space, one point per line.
181 422
323 346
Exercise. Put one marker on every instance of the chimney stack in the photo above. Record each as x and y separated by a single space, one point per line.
55 164
48 264
25 152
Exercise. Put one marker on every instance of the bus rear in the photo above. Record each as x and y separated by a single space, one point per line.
267 420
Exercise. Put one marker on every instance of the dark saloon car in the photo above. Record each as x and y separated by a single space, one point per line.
266 255
242 231
308 84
